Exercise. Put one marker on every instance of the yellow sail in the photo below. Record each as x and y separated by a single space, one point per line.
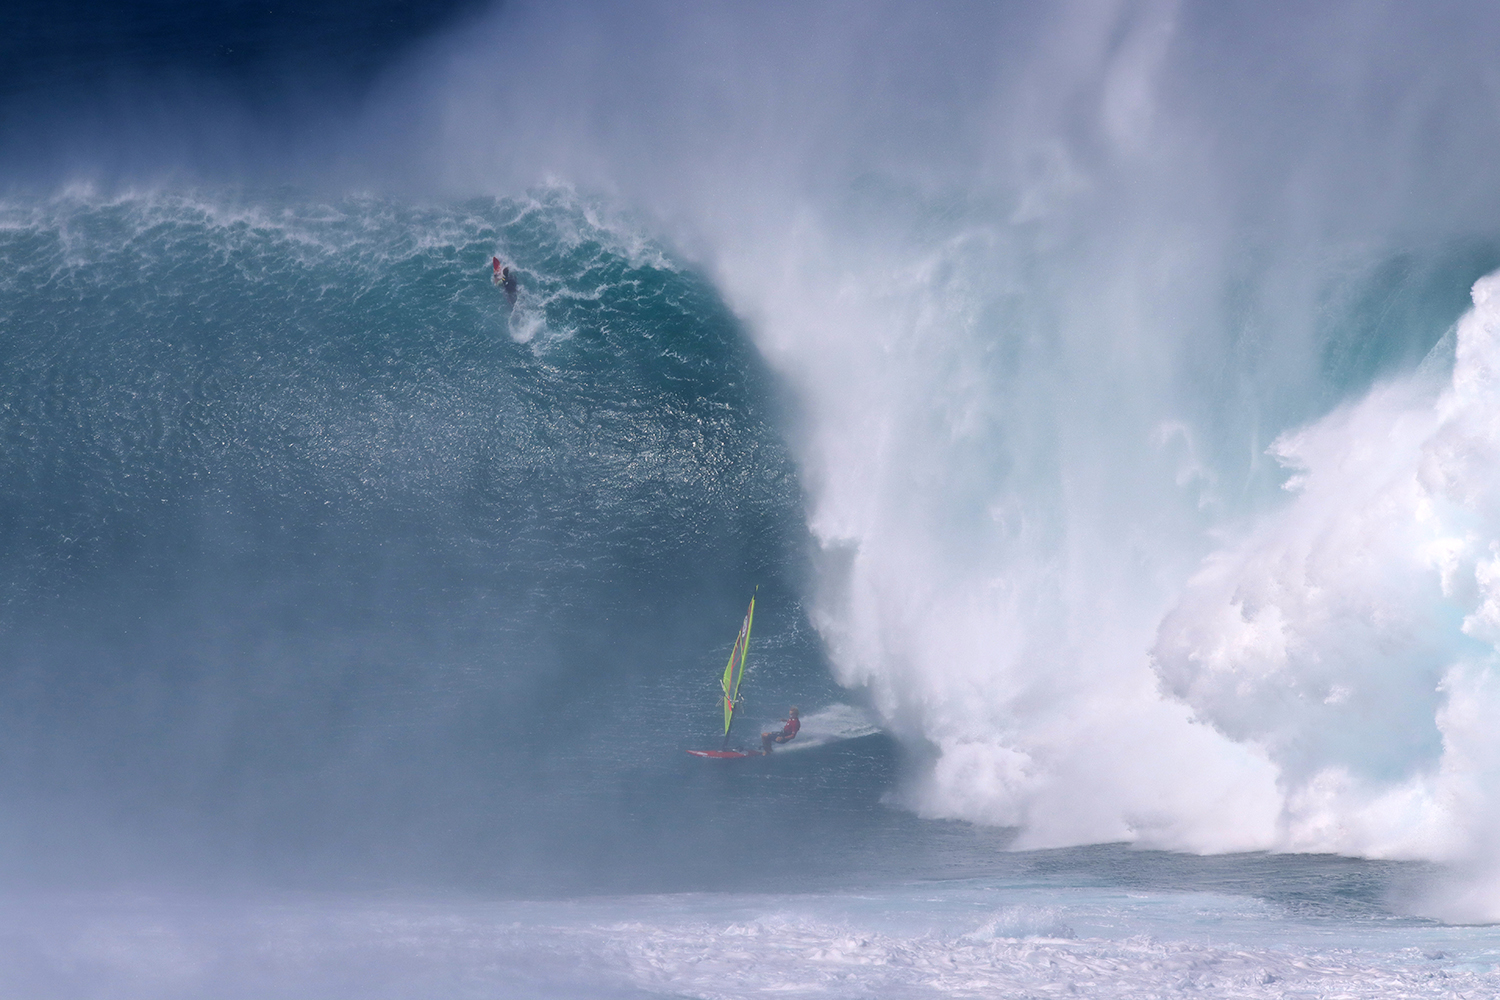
734 671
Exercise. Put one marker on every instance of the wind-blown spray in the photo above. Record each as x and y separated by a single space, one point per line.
1048 286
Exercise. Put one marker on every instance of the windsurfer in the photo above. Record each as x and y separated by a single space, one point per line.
787 734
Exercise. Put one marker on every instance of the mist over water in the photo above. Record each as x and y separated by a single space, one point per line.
1056 291
1099 394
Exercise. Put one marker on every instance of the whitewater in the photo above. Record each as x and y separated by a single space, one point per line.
1101 396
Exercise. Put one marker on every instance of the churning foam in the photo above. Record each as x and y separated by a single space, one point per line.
1353 634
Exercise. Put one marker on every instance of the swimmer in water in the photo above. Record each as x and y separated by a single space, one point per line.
506 280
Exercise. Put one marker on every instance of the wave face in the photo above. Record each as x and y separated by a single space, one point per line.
314 549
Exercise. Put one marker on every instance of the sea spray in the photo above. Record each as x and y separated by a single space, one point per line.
1352 634
1047 285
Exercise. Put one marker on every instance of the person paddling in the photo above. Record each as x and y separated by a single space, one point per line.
787 734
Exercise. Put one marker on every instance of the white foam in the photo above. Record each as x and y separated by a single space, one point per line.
1352 633
830 724
957 939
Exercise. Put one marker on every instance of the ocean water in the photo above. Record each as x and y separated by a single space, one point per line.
1098 399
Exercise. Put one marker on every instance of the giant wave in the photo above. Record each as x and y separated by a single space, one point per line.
1099 394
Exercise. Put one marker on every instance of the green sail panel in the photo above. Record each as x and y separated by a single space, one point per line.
734 671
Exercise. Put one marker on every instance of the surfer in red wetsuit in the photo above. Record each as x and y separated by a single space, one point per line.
788 731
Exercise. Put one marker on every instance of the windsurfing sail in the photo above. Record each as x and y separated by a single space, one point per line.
734 671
